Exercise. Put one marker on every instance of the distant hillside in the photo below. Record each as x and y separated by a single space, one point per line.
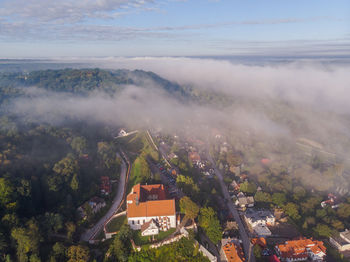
82 81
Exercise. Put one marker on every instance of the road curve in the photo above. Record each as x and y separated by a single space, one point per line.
117 201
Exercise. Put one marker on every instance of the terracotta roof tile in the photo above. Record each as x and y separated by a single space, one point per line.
298 248
233 253
138 206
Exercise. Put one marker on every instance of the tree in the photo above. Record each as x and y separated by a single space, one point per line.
120 248
52 222
322 230
79 144
27 240
234 159
338 225
65 170
299 193
107 154
24 189
262 197
7 194
187 184
210 223
78 254
279 199
189 208
248 187
66 167
74 184
70 227
34 258
321 213
257 251
344 210
310 205
3 244
292 210
59 251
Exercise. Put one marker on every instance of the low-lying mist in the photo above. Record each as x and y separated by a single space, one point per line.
279 104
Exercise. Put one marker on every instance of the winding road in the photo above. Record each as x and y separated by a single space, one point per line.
117 201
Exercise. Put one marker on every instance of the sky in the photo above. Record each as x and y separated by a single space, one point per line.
85 28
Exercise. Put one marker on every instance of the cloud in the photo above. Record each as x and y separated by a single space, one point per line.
312 83
67 11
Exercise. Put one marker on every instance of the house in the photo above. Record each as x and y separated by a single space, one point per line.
259 220
235 185
122 132
147 202
96 203
106 187
341 241
232 251
150 228
261 241
332 201
172 155
194 157
91 207
262 230
244 201
301 250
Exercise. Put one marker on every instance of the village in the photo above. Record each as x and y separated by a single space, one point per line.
158 212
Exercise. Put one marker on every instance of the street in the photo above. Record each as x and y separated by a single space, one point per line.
247 246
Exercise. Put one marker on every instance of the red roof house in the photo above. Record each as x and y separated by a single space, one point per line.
106 188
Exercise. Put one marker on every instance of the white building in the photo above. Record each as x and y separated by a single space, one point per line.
150 228
122 132
302 249
341 242
147 202
259 220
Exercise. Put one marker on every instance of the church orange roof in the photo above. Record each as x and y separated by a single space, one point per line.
149 201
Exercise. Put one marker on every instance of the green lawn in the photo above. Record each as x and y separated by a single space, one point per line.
145 240
140 172
115 224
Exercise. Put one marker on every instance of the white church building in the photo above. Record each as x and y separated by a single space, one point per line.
147 203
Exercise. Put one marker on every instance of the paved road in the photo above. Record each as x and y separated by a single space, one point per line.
243 234
117 201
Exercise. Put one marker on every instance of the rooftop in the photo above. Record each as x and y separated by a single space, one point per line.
149 201
233 252
148 192
298 248
345 234
255 215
